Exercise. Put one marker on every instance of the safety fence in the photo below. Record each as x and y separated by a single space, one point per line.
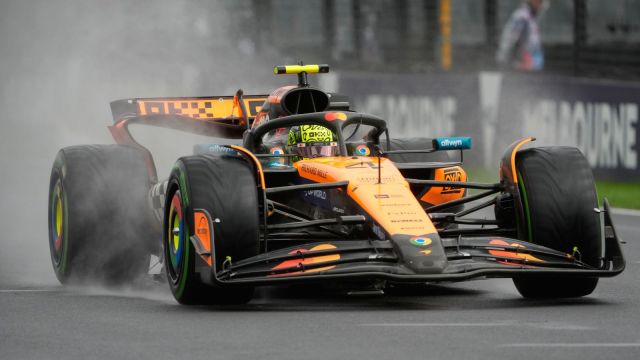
599 117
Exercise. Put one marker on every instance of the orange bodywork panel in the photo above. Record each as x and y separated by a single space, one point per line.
513 158
276 96
438 194
511 254
309 260
203 233
390 203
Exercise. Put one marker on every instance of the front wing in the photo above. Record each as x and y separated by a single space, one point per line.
467 257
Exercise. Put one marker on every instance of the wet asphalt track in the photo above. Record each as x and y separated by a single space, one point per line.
483 319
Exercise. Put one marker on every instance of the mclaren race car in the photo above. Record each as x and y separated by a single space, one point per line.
319 192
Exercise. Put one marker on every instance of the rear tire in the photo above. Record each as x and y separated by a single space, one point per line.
558 195
225 187
100 225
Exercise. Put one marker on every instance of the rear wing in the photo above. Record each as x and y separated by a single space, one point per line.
219 116
226 109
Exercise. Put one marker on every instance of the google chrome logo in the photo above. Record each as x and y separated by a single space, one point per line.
363 150
420 241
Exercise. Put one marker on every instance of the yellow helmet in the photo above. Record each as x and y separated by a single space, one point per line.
309 141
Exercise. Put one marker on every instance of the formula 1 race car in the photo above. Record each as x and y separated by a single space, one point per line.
320 193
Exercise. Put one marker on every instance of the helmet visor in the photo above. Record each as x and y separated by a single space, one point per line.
313 150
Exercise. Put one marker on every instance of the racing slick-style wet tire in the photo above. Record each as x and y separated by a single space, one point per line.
100 223
559 196
225 187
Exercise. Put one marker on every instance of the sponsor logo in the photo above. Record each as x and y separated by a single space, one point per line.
452 174
450 143
375 179
332 116
457 143
213 149
420 241
315 133
363 150
320 194
402 213
362 165
314 171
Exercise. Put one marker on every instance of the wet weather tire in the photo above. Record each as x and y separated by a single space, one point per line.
224 187
99 220
559 196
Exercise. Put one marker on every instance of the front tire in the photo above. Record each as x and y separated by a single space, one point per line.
559 196
225 188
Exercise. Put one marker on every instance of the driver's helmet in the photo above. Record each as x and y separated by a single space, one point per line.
310 141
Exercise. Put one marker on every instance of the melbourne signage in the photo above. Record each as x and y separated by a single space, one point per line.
415 105
604 132
600 118
418 105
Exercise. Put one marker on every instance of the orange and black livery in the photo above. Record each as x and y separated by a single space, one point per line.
315 191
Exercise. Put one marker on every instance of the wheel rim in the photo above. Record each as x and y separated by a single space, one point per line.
175 237
58 219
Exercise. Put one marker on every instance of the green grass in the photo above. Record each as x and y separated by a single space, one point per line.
620 194
482 175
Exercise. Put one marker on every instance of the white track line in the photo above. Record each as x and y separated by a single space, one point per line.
627 227
572 345
627 212
26 290
554 326
436 324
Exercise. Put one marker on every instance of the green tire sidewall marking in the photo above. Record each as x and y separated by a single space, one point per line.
525 205
182 183
61 164
53 225
185 265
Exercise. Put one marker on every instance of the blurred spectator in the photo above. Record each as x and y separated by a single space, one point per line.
371 50
520 45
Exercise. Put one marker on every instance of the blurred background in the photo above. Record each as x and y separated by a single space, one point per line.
427 66
587 38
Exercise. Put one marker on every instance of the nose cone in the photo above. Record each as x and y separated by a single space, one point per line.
423 254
